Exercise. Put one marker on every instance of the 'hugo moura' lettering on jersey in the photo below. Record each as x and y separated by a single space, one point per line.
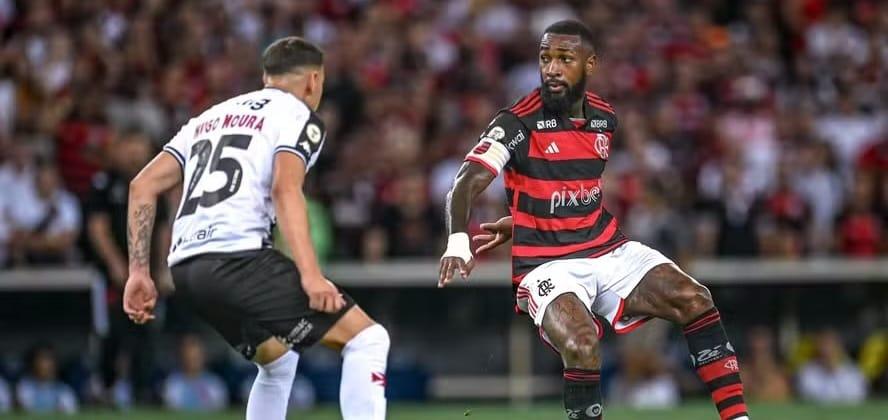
227 157
552 167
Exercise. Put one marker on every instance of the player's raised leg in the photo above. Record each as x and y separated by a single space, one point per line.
667 292
364 345
271 388
570 328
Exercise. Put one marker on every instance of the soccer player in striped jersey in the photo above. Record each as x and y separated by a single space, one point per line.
571 264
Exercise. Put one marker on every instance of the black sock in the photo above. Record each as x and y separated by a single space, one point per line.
582 394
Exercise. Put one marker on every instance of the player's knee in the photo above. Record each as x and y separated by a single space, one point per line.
373 339
269 351
581 350
691 300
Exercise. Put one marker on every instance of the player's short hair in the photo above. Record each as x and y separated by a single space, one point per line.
290 53
573 27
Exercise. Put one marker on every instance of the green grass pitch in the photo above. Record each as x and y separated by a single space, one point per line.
543 411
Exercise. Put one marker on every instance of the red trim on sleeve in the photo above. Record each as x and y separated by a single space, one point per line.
482 163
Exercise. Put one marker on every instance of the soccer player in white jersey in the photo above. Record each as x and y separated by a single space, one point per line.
242 164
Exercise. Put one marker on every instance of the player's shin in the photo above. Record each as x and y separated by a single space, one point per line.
271 388
364 359
582 376
716 364
582 394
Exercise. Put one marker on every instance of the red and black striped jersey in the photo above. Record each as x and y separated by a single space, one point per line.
552 168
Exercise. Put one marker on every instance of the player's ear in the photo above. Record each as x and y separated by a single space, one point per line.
591 63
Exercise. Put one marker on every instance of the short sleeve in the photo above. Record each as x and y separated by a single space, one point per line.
497 142
178 145
304 137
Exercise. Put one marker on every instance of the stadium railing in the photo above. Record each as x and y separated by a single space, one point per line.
520 384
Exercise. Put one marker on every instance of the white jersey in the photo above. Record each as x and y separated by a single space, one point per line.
227 157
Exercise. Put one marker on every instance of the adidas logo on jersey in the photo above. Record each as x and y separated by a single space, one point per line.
553 148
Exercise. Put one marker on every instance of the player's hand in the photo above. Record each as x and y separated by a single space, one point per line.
323 295
499 232
449 265
139 298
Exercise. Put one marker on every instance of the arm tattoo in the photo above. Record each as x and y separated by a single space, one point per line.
141 224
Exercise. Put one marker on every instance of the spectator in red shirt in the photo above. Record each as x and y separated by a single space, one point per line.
860 229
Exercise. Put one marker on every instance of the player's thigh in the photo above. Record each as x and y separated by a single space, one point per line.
208 286
351 324
278 304
558 296
568 321
668 292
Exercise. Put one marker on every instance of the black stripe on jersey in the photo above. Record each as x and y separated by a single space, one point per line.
563 170
524 265
510 194
293 150
536 237
545 209
178 156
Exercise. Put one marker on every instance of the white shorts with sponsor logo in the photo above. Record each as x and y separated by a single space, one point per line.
601 283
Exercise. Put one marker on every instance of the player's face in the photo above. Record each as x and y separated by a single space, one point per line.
563 66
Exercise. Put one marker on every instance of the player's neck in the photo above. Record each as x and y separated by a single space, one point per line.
576 110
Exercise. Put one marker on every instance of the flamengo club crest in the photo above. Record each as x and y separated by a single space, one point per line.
602 145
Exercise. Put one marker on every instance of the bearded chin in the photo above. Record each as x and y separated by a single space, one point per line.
561 103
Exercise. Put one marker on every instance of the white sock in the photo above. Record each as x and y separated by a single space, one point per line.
271 388
362 391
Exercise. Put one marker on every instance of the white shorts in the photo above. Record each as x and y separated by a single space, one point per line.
601 283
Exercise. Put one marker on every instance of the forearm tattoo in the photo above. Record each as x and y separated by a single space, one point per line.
138 235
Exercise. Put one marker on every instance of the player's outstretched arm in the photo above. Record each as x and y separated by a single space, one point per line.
292 217
471 180
161 174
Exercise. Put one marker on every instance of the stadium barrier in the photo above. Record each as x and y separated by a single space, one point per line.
520 384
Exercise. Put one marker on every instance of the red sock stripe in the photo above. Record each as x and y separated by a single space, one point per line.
718 368
702 322
729 391
581 375
734 411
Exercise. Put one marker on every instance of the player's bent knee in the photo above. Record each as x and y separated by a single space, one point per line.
581 350
373 340
269 351
691 300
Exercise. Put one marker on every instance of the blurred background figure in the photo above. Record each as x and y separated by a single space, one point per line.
192 387
763 373
40 390
644 379
106 210
831 377
46 222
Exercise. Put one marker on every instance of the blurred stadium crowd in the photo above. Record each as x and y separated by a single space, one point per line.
754 128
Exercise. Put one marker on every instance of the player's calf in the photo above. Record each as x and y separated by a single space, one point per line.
271 388
570 327
667 292
364 359
364 345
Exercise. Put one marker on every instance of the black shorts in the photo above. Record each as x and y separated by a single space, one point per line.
251 296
